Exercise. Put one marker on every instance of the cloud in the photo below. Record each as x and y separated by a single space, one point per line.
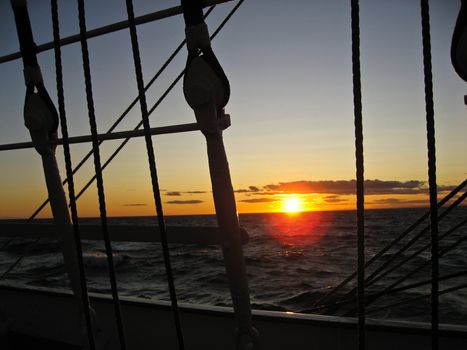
191 201
248 190
387 201
334 199
173 193
135 205
179 193
258 200
347 187
399 201
269 193
418 201
442 188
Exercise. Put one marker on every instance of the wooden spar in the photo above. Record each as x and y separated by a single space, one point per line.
41 119
59 206
227 218
155 16
203 235
223 122
207 91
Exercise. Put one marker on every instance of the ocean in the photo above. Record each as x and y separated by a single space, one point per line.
293 260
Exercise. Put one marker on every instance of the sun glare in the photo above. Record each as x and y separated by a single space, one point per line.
291 205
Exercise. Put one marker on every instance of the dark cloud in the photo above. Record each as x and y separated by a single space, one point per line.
418 201
191 201
258 200
334 199
269 193
180 193
442 188
399 201
344 187
173 193
387 201
135 205
250 189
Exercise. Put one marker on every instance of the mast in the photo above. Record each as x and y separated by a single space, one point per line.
207 91
42 120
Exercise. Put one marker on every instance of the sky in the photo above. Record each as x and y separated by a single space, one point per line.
291 143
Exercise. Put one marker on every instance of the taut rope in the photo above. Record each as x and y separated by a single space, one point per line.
98 171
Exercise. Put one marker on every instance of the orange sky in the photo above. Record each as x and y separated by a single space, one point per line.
271 198
292 132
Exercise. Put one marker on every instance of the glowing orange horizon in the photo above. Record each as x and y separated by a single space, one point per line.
140 203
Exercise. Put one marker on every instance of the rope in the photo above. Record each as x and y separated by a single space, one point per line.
18 260
98 171
5 244
374 277
418 251
68 164
120 147
163 96
430 126
373 296
391 288
441 254
33 81
357 98
389 246
26 41
32 73
158 102
421 297
111 28
153 170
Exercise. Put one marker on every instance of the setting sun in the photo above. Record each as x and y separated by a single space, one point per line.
292 205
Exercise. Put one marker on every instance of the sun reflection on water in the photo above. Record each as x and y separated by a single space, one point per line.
299 229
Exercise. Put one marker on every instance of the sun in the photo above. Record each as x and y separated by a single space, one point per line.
291 205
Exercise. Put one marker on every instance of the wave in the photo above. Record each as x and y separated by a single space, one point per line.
288 274
98 259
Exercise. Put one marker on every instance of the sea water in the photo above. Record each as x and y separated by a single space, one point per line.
293 260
